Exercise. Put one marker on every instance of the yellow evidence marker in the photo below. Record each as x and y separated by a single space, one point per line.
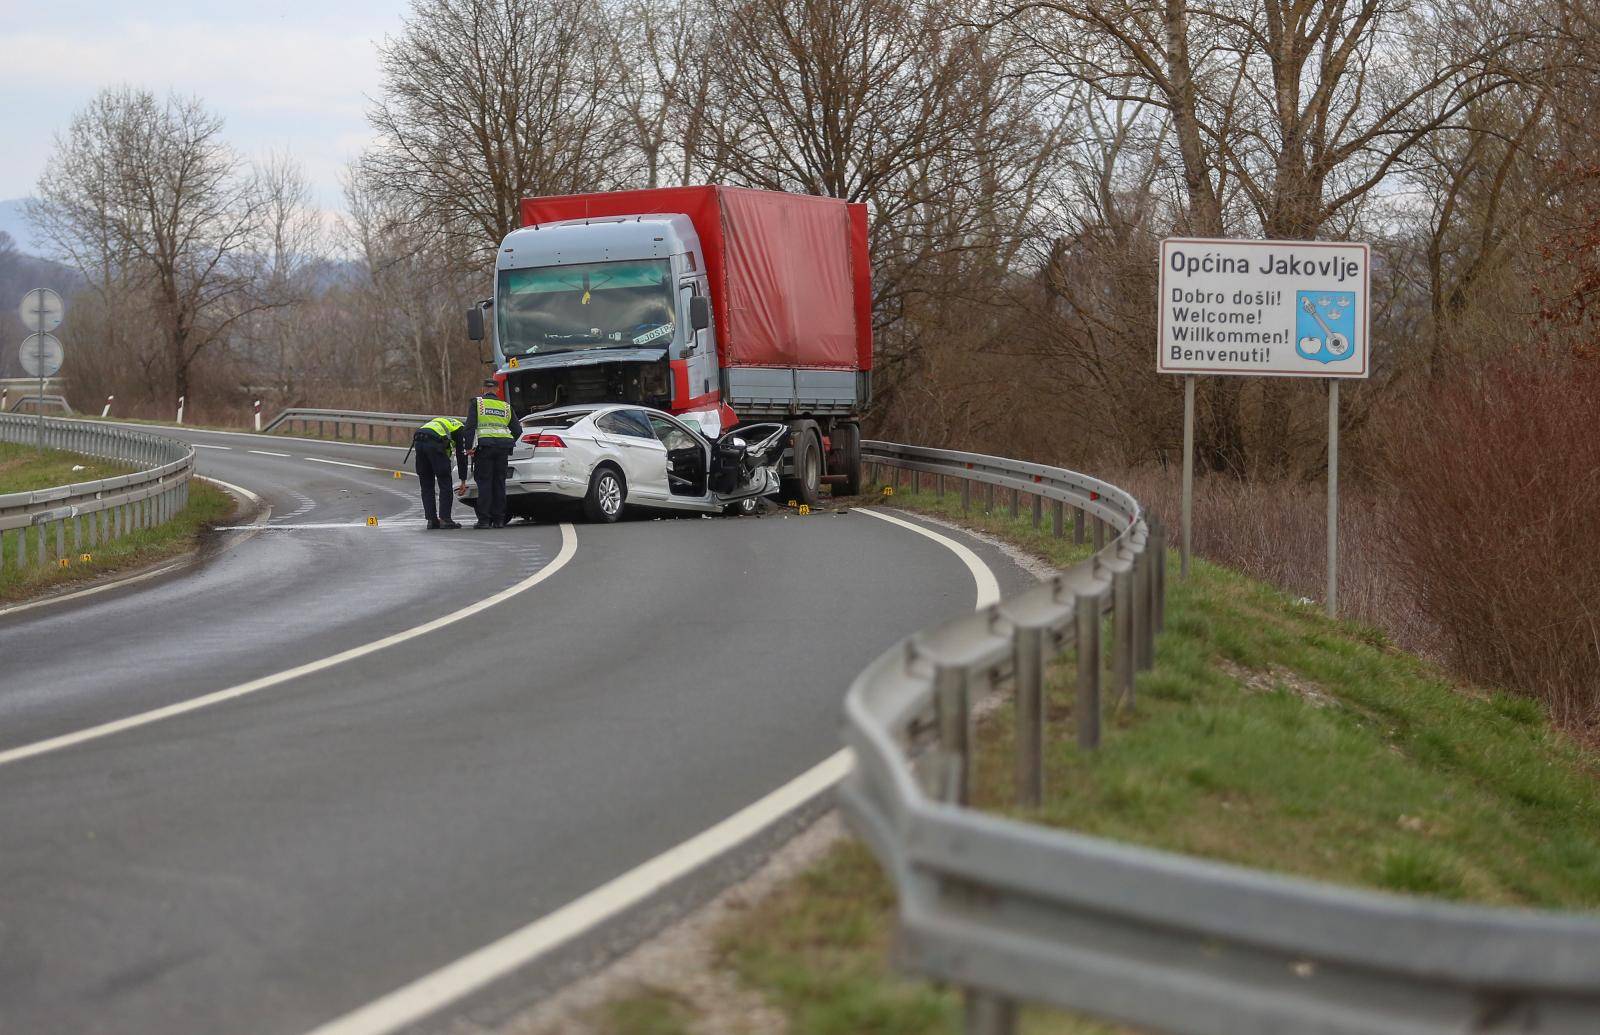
65 562
372 522
888 490
804 509
399 474
84 558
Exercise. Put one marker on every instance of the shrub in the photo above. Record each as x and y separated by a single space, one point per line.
1496 525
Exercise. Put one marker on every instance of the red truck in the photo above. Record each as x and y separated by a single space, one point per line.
721 305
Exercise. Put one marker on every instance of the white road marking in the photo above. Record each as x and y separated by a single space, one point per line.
388 523
988 586
569 546
158 572
267 452
432 992
202 445
344 463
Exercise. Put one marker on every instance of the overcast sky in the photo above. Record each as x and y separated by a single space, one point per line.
289 75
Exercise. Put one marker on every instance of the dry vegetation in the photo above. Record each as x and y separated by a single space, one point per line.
1021 162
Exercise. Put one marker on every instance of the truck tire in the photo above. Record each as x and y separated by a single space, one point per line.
607 495
847 441
806 485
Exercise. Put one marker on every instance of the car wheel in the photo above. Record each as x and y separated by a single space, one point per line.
744 507
606 497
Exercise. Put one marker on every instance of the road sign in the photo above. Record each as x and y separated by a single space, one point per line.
41 355
1269 308
41 310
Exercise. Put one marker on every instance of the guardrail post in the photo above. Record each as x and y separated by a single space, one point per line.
1077 526
938 485
1058 518
39 547
61 539
1016 499
1122 657
954 708
989 1014
966 495
1028 681
1038 510
1086 612
988 505
1099 534
1144 632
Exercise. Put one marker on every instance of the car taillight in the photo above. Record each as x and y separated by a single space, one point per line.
540 441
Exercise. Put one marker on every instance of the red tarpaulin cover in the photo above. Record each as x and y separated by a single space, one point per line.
792 286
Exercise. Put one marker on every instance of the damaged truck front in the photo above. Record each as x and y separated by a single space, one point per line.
720 305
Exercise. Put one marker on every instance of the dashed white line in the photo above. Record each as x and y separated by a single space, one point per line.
569 546
432 992
202 445
343 463
267 452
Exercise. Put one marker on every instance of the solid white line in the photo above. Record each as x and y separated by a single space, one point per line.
988 586
432 992
202 445
312 524
266 452
345 463
569 546
157 573
422 997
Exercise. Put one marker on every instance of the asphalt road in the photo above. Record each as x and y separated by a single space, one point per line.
273 861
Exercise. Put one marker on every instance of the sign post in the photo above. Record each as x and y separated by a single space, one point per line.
41 352
1265 308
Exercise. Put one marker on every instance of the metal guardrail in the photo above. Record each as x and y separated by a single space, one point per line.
371 421
1016 913
92 512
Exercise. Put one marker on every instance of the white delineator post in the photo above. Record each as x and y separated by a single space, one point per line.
181 400
105 411
258 414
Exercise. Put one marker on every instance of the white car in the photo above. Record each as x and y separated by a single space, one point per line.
613 456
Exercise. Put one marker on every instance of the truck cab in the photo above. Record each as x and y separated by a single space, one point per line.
606 310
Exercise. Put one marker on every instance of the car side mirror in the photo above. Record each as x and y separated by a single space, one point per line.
699 312
475 324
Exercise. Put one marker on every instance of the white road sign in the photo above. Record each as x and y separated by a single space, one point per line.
41 310
1277 308
41 355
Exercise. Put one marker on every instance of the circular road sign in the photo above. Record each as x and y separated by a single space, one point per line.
41 310
41 355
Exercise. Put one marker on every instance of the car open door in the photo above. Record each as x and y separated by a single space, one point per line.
644 458
744 462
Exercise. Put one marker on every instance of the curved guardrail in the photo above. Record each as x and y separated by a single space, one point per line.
76 517
355 418
1014 913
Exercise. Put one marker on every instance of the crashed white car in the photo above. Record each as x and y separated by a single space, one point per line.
611 457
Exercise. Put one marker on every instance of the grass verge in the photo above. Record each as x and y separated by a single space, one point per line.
208 506
1266 735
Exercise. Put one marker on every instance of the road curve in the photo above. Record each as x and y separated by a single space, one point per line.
279 859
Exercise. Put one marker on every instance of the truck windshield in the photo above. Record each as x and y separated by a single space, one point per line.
593 305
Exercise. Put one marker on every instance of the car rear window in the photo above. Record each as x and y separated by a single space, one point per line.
553 420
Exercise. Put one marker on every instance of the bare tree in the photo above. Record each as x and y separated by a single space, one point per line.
145 192
486 102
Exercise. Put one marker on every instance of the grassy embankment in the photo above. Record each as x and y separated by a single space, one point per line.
1265 735
23 468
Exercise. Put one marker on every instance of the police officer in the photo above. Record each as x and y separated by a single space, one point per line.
493 430
433 443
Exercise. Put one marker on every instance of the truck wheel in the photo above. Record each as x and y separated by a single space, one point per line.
806 485
606 496
848 440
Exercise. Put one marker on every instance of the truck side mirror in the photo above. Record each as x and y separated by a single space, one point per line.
474 324
699 312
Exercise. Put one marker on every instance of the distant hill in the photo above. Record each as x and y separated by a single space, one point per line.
15 223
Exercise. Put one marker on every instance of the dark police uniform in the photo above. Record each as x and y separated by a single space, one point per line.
494 429
433 443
